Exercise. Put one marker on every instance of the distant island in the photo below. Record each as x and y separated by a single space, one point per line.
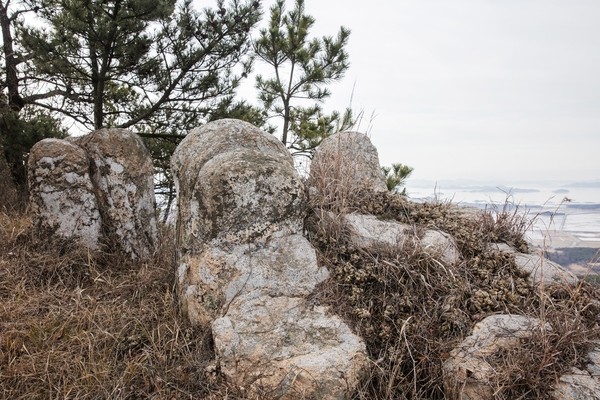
502 189
593 185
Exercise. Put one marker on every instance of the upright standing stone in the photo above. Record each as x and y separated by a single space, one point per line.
245 268
225 173
122 173
62 196
351 157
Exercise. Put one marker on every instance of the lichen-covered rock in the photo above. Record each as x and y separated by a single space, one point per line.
245 267
467 373
63 200
212 279
236 183
301 351
370 232
349 156
544 271
123 175
581 384
541 270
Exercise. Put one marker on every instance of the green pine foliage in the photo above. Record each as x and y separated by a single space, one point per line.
151 64
396 177
303 68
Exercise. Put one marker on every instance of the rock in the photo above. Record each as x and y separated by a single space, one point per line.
212 279
467 374
370 232
544 271
225 173
301 351
501 247
581 384
540 268
63 200
245 268
440 245
123 175
349 158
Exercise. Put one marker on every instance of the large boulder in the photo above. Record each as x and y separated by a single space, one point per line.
211 279
245 268
225 173
123 175
97 189
350 159
63 199
301 351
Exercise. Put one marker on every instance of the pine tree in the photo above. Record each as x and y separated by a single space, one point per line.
396 177
151 64
21 125
303 68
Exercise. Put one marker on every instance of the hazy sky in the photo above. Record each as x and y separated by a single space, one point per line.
487 90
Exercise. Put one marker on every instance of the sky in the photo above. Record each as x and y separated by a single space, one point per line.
496 91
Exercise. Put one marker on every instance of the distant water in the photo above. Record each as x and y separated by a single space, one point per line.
525 195
570 208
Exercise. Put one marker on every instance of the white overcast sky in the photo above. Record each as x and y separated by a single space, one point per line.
505 90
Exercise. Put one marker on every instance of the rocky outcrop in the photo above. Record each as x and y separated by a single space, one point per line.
467 373
245 268
96 189
540 269
123 177
351 157
225 174
369 232
63 200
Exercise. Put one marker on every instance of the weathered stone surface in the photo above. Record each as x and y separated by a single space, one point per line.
467 374
63 201
544 271
540 268
350 156
245 267
302 352
212 279
368 231
123 175
581 384
226 172
440 245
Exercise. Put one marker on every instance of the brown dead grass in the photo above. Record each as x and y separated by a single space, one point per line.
80 326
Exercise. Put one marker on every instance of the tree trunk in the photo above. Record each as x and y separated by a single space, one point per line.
9 200
15 100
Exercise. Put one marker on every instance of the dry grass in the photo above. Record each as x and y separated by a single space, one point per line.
81 326
412 310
